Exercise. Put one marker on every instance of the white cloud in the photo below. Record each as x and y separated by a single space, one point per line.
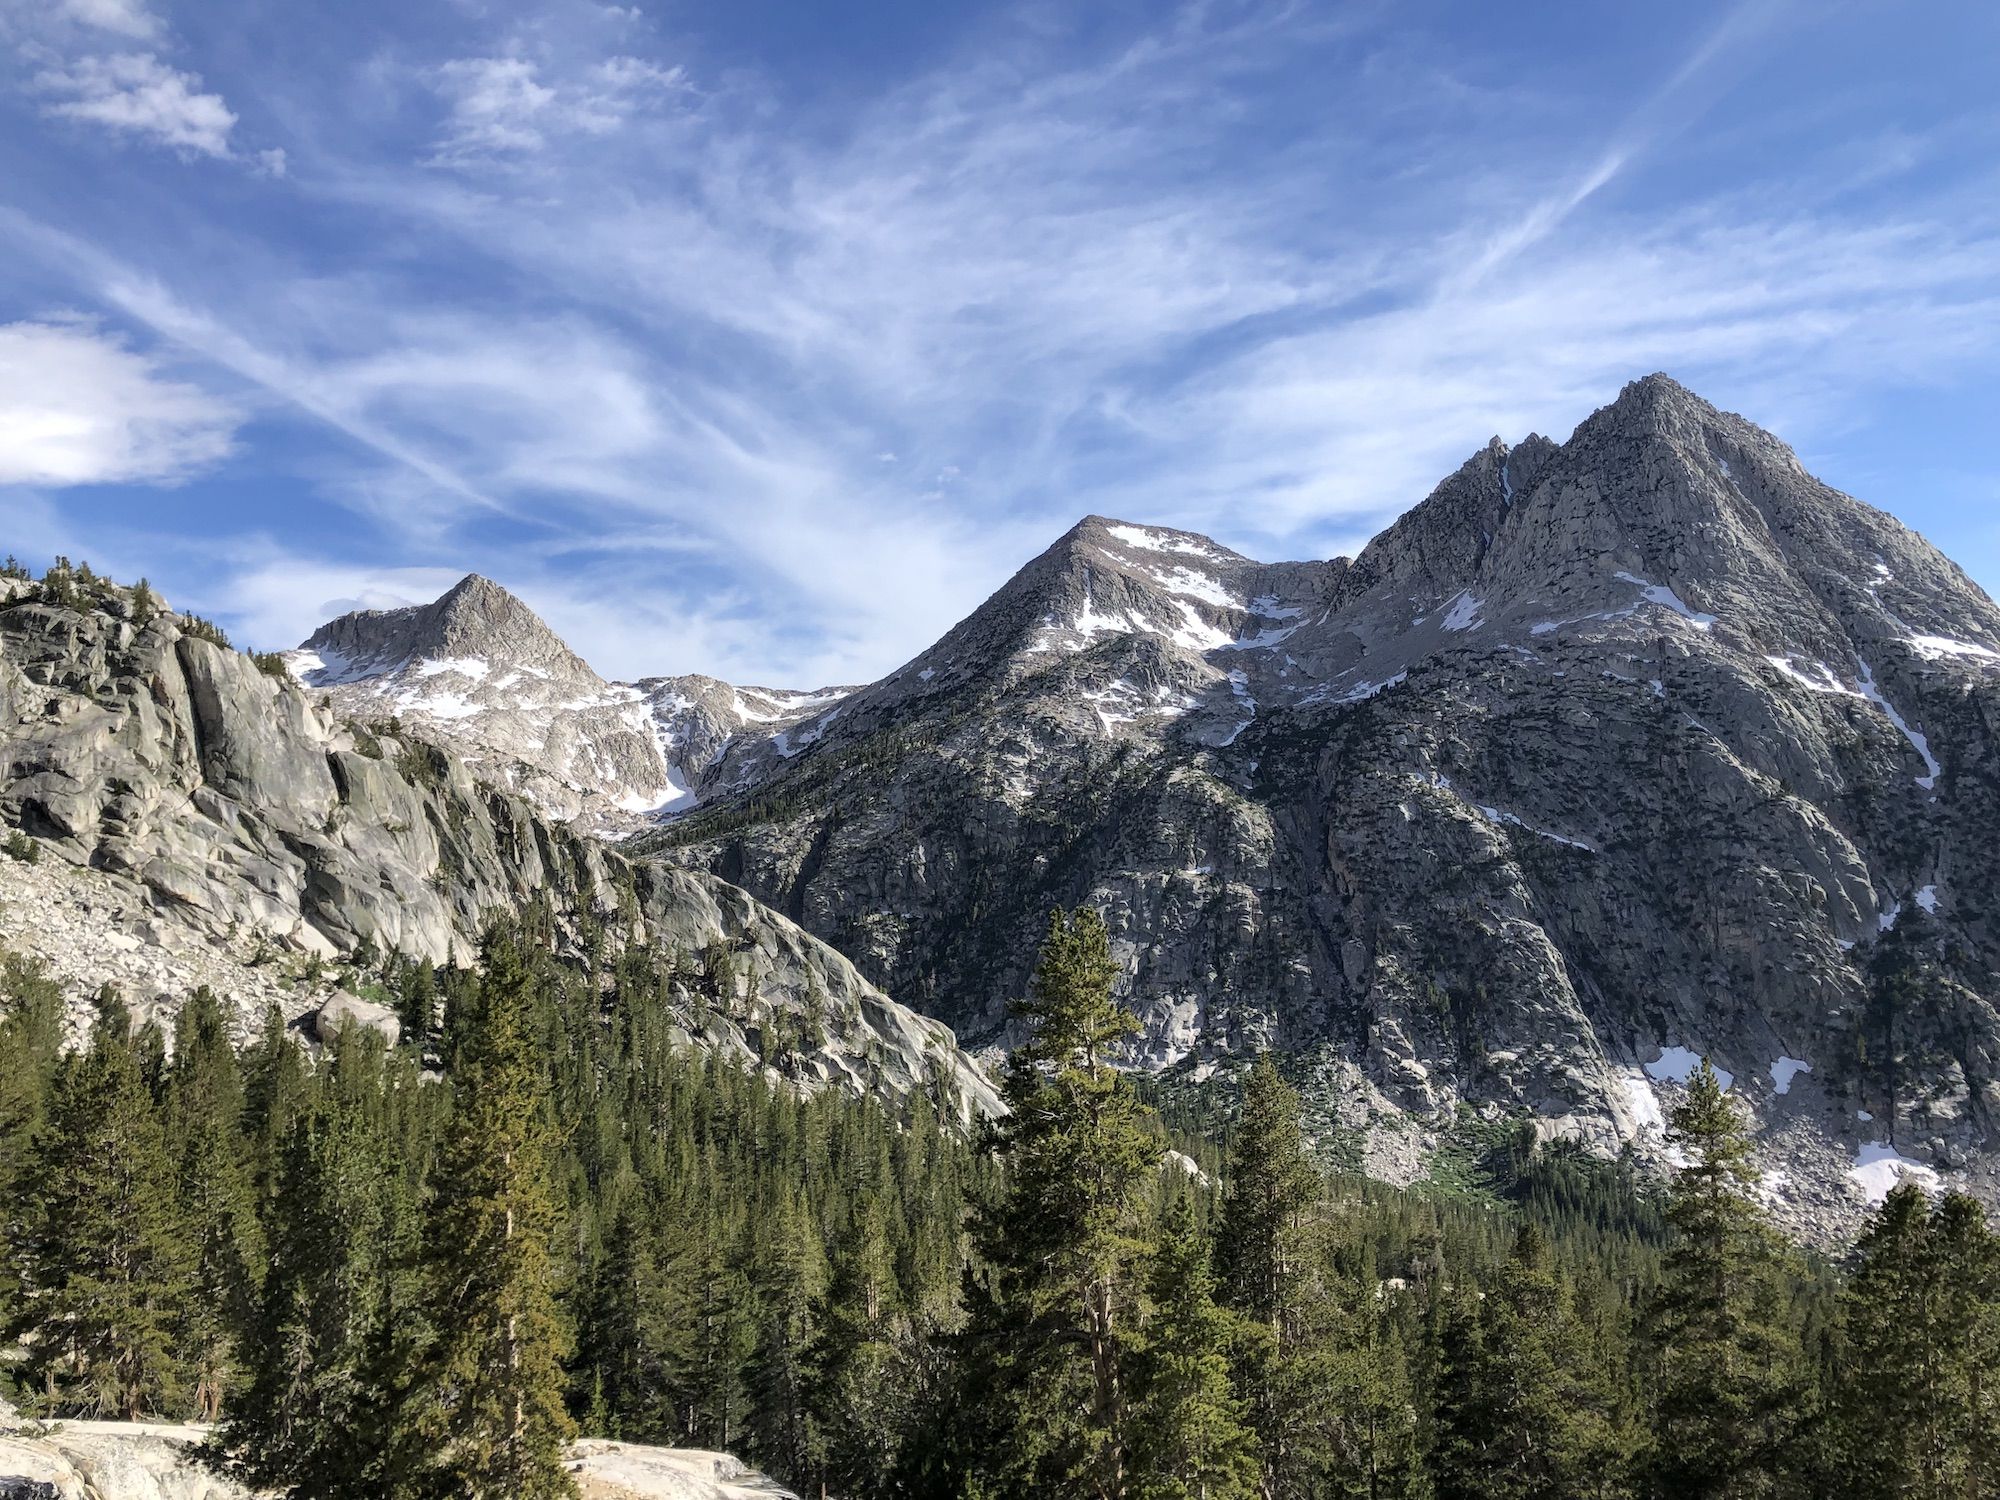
123 17
137 93
497 105
503 107
77 407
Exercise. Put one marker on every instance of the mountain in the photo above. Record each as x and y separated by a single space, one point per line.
197 818
481 674
1609 752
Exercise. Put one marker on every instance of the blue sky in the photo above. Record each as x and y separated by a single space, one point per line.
765 339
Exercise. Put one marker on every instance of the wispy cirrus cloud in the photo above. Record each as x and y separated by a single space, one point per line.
506 107
612 323
129 18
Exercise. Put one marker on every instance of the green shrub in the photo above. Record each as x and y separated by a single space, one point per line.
205 630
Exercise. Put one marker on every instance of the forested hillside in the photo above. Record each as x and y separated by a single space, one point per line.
414 1272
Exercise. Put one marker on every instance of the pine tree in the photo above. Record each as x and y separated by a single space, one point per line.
1911 1414
1262 1248
1727 1371
31 1015
486 1418
418 1010
1188 1434
312 1420
104 1261
860 1394
204 1109
785 1436
1064 1242
1535 1416
626 1354
276 1088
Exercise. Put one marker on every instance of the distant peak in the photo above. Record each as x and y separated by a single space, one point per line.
1658 394
474 617
473 586
476 597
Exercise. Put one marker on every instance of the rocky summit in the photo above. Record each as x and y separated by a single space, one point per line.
1609 754
485 677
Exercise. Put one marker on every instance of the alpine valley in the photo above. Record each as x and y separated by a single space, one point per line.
429 1069
1609 754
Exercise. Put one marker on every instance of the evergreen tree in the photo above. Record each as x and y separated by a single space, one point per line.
1912 1414
487 1417
1262 1247
204 1109
1534 1414
1188 1434
105 1265
276 1088
319 1398
418 1010
784 1434
861 1390
31 1014
1726 1368
1064 1242
627 1360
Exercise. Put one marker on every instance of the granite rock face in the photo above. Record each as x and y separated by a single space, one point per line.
236 810
1610 752
156 1461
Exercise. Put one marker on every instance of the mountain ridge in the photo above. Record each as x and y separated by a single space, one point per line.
1607 749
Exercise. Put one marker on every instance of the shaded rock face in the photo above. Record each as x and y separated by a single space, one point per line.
479 672
240 808
1642 741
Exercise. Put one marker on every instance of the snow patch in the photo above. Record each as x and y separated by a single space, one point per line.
1677 1064
1359 691
1197 634
1178 580
1464 612
1784 1070
1933 647
1926 897
1495 815
1879 1167
1814 676
1917 741
474 667
1239 688
1149 540
1661 594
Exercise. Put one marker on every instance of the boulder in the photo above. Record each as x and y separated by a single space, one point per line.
344 1009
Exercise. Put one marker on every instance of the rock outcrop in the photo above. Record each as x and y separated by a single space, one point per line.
192 789
144 1461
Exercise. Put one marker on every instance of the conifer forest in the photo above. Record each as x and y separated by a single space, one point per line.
417 1271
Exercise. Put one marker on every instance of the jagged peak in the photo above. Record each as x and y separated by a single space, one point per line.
474 617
